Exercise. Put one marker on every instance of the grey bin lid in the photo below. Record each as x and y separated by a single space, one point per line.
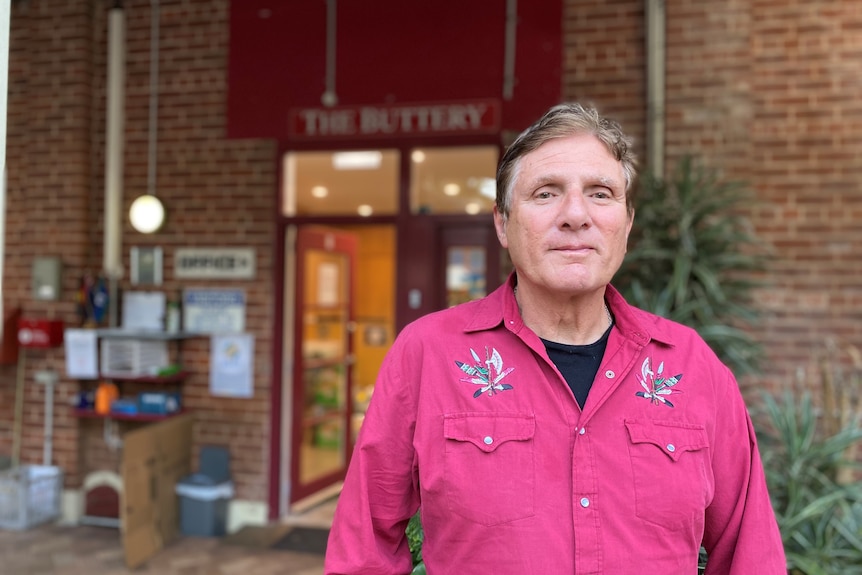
201 487
198 480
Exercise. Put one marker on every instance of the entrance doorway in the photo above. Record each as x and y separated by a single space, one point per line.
344 324
398 233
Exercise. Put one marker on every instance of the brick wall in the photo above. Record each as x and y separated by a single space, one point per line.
767 93
807 162
216 192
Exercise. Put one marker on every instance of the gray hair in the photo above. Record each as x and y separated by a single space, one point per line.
559 122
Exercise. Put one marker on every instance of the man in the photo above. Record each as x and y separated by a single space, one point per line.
551 428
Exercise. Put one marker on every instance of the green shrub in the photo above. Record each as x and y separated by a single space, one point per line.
415 537
693 258
818 506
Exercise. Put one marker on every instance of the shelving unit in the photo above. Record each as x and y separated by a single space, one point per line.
128 370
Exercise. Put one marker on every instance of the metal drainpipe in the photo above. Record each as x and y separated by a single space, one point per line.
112 262
655 45
5 17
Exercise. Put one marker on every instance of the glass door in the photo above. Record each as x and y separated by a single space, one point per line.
471 264
322 407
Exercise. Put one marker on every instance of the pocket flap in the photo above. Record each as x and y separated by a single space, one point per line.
488 431
673 438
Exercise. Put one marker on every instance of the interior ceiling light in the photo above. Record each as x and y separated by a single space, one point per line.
452 189
368 160
365 210
418 156
473 208
147 214
488 188
319 191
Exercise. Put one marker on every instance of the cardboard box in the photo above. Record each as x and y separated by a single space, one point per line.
155 458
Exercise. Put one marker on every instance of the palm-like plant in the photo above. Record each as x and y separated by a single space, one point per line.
818 513
415 537
693 258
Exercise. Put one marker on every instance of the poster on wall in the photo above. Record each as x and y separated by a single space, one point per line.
82 353
213 311
231 362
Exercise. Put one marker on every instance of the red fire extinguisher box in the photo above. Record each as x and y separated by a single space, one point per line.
40 332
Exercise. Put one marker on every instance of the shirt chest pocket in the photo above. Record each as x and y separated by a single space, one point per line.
669 465
490 469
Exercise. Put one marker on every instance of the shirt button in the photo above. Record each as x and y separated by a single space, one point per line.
610 374
671 447
585 502
582 431
488 440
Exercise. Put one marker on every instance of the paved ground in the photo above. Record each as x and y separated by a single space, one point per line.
84 550
87 550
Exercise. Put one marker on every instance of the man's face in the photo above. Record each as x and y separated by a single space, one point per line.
568 224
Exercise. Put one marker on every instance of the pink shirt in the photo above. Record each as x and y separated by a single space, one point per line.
471 419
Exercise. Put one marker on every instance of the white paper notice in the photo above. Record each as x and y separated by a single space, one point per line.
327 284
82 353
231 361
144 310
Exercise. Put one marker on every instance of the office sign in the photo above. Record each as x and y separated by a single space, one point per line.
214 263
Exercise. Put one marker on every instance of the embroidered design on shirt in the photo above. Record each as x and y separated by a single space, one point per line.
487 373
656 387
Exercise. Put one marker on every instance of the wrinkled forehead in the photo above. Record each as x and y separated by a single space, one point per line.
583 154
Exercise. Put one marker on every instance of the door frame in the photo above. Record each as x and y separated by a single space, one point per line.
312 237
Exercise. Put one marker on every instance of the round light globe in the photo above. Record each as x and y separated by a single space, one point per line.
147 214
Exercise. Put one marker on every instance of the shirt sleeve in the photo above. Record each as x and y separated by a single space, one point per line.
741 534
380 492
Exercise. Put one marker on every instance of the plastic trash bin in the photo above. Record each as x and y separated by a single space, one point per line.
203 505
204 495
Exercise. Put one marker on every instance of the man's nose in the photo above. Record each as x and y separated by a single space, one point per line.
574 210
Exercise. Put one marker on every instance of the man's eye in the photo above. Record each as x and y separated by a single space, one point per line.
543 195
602 193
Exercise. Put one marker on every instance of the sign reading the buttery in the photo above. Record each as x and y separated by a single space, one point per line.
214 263
466 118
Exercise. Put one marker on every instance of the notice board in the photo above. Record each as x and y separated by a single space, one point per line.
155 457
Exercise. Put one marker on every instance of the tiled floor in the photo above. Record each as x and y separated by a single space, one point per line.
86 550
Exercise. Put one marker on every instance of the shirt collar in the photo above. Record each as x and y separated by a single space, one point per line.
501 307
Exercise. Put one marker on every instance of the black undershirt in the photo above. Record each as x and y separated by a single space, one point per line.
578 363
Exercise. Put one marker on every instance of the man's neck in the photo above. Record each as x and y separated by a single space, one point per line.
571 320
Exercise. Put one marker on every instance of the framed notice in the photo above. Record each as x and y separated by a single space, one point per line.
213 311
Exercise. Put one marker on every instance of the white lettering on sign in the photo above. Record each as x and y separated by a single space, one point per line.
214 263
329 122
464 118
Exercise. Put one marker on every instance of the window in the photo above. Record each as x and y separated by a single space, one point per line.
363 182
453 180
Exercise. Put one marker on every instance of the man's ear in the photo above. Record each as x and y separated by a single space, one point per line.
629 227
500 226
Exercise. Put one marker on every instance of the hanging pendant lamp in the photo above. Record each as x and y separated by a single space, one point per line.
147 213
